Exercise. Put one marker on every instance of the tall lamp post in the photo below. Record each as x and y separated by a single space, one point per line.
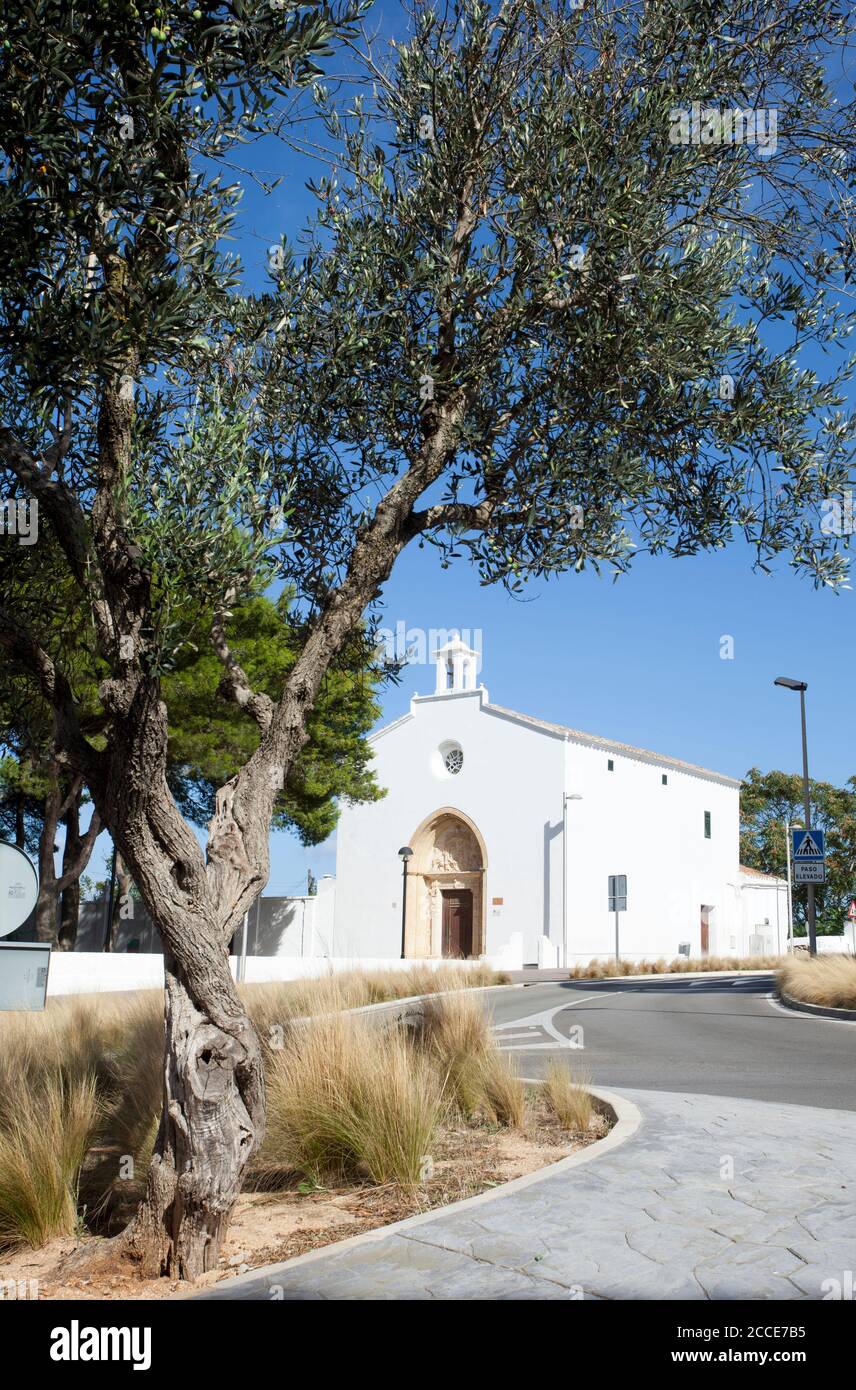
802 687
404 854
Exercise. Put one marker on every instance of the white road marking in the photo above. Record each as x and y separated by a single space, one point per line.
544 1022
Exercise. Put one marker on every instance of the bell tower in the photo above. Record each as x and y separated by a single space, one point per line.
457 668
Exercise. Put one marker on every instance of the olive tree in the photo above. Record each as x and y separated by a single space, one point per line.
549 316
119 126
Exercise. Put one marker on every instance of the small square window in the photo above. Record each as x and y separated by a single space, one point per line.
610 765
707 825
664 779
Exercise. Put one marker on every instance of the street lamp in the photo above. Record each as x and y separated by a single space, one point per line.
567 796
404 854
802 687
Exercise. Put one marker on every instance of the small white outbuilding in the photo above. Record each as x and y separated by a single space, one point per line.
517 826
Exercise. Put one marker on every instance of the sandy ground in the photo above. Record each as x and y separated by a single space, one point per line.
273 1226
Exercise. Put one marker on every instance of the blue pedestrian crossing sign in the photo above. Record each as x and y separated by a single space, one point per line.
809 851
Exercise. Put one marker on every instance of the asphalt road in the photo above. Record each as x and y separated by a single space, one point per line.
721 1036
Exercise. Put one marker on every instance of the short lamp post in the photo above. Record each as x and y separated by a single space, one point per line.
802 687
404 854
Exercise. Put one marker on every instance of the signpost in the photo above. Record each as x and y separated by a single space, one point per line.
24 965
617 902
809 856
802 687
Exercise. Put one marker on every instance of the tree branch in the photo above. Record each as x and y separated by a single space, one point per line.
235 684
84 853
21 646
66 516
470 516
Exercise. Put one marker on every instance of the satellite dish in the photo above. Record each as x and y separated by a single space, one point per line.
19 888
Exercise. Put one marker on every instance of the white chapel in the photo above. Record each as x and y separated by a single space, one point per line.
502 836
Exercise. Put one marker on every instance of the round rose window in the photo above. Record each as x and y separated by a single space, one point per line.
454 760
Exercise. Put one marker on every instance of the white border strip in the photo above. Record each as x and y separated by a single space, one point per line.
797 1011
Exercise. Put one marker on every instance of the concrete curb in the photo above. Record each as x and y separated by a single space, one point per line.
664 975
405 1010
818 1010
628 1118
405 1006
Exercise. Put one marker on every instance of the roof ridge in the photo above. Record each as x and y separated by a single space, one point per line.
611 743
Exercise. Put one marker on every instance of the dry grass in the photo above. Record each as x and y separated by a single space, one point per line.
272 1006
503 1096
42 1148
481 1081
86 1074
680 965
350 1098
346 1100
829 981
71 1039
569 1098
354 1100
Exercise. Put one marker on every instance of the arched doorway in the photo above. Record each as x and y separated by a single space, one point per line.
445 888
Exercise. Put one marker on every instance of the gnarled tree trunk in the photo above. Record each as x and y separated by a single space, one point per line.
213 1113
211 1124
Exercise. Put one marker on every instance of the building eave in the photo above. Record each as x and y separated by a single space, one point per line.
774 880
388 728
609 745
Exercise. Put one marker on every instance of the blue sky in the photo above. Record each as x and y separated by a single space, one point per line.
638 660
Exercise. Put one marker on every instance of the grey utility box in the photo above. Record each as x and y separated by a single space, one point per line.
24 967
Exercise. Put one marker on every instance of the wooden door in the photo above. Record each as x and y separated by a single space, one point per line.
705 930
457 923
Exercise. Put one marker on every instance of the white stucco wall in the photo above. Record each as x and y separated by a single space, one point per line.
629 822
90 972
511 787
763 916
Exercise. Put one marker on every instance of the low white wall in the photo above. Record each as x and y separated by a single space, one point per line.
98 972
89 972
835 945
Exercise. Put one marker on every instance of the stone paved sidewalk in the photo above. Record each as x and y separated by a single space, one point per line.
711 1198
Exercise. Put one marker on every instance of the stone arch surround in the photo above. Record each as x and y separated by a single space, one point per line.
448 852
